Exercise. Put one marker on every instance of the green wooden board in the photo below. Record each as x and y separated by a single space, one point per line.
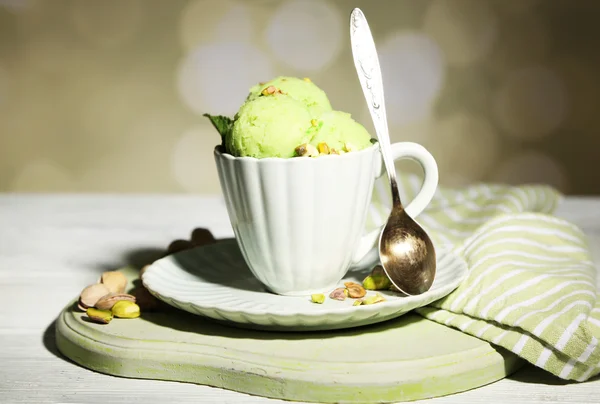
405 359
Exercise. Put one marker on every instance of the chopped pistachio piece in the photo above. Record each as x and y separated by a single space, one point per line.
355 290
323 148
374 299
349 147
307 150
318 298
377 280
338 294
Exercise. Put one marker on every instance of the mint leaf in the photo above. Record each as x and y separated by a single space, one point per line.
222 124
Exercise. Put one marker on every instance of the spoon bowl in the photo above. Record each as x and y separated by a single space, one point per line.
406 252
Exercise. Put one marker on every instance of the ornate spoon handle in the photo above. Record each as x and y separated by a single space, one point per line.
367 66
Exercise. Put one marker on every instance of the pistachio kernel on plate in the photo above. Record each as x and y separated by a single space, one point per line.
355 290
99 316
377 279
338 294
318 298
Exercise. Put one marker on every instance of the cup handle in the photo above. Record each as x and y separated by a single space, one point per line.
367 253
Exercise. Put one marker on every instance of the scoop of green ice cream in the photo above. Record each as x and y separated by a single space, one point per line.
302 90
339 130
269 126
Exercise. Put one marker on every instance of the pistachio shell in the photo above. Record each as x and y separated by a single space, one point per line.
145 299
115 281
355 290
202 236
91 294
108 301
338 294
179 245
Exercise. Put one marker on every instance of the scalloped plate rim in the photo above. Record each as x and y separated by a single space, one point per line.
401 305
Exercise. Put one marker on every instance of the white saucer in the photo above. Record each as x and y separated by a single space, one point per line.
214 281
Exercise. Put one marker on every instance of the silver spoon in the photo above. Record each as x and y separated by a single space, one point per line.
406 251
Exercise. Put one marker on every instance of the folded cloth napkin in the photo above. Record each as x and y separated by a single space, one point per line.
531 286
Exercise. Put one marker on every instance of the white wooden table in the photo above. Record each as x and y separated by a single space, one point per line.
51 246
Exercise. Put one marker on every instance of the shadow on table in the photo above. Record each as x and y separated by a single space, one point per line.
533 375
49 341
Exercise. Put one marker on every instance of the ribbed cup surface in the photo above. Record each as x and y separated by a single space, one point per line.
298 221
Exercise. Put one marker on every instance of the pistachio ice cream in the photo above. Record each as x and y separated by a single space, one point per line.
289 117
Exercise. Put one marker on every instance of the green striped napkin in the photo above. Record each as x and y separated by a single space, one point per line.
532 282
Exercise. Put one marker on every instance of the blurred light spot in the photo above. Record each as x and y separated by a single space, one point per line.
415 131
306 35
17 6
456 180
582 83
211 78
531 103
106 112
207 21
47 55
524 41
4 86
42 176
141 162
464 146
413 73
464 29
192 159
107 23
532 167
518 6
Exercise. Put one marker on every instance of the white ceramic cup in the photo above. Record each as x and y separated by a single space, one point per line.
300 222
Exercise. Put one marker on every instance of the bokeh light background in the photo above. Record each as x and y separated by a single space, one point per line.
107 96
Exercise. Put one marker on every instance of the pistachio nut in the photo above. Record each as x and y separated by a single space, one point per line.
115 281
355 290
349 147
125 309
323 148
373 299
317 298
91 294
202 236
377 280
145 299
307 150
270 90
179 245
99 316
377 298
339 294
108 301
